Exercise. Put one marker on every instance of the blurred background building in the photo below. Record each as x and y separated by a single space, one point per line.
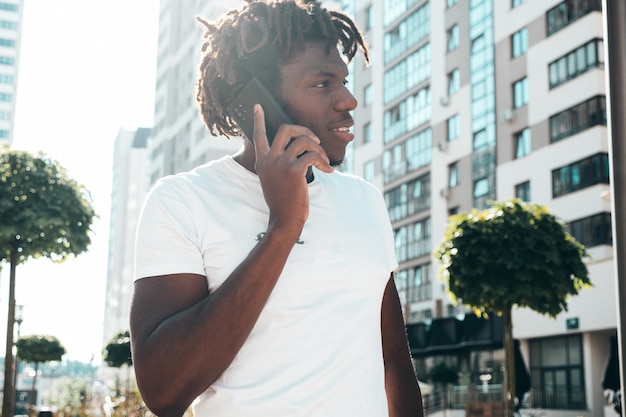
465 101
10 29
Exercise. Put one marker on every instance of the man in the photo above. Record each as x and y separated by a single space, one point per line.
264 282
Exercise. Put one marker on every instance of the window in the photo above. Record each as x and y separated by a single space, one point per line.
592 231
522 191
368 171
481 188
453 175
7 42
522 143
520 93
407 74
453 38
450 3
6 97
557 373
454 82
480 140
413 240
576 62
5 24
519 42
411 113
367 133
409 198
5 60
4 134
418 150
369 18
582 116
5 115
407 33
515 3
368 95
453 127
568 11
581 174
8 7
401 278
420 287
6 79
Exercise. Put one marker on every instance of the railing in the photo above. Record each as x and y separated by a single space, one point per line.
459 396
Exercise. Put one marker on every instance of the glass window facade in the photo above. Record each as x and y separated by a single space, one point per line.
413 240
407 74
576 62
520 93
453 128
567 12
557 373
411 113
593 230
453 38
581 174
522 191
519 42
407 33
409 198
589 113
454 82
522 143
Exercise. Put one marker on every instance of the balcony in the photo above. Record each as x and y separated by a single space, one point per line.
488 400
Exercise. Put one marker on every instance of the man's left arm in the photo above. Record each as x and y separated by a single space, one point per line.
403 393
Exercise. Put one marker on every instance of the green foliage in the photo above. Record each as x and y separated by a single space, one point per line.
43 212
72 398
39 349
117 351
511 254
443 374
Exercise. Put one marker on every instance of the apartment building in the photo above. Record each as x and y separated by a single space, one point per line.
128 190
180 141
468 101
10 29
465 101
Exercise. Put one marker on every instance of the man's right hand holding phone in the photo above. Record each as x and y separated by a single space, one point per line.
282 170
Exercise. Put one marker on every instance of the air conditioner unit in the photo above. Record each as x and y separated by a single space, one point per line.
444 101
444 192
507 115
442 145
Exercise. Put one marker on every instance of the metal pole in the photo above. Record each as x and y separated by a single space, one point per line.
614 15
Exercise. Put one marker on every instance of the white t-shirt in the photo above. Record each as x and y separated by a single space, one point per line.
316 348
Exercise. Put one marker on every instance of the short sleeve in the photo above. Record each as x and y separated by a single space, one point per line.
167 238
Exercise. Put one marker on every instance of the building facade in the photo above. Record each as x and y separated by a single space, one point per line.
468 101
465 101
10 30
128 190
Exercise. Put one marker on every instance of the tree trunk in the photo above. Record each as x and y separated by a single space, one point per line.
509 354
32 388
8 401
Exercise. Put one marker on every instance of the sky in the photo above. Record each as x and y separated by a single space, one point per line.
87 69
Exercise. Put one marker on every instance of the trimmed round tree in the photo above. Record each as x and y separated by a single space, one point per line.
43 213
39 349
512 254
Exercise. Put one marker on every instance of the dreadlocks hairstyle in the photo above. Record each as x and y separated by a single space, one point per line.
256 40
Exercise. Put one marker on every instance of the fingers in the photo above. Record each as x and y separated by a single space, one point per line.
295 143
261 143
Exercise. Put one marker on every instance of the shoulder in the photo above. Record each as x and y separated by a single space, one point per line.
354 182
200 176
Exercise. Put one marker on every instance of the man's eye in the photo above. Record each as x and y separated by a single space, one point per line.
321 84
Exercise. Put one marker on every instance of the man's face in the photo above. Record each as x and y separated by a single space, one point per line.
314 95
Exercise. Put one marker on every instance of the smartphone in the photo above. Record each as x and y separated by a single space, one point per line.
241 109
